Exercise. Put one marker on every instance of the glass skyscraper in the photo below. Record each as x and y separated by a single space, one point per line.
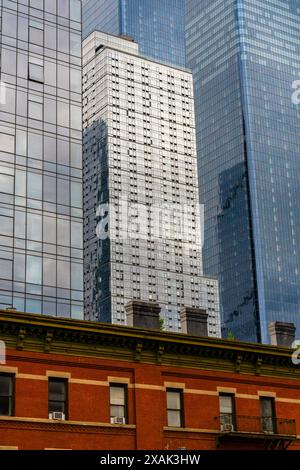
156 25
41 267
244 55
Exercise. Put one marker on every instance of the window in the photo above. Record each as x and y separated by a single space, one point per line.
6 395
118 404
175 408
57 397
36 32
226 411
35 107
36 70
267 410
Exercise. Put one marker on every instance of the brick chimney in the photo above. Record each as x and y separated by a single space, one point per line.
282 334
194 321
143 314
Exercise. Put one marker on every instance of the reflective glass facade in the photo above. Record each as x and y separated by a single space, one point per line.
245 57
41 248
156 25
141 202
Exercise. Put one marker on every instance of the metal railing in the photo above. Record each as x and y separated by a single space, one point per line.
256 424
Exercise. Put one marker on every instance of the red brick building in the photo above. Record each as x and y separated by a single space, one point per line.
70 384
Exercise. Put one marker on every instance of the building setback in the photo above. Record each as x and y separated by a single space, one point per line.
41 267
69 384
157 26
245 62
142 219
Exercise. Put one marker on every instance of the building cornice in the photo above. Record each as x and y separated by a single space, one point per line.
68 337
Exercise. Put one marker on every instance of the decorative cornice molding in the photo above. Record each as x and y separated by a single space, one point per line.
42 334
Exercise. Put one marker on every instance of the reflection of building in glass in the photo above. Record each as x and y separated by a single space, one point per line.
41 158
244 60
140 186
156 25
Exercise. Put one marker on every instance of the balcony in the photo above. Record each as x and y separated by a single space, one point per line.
274 433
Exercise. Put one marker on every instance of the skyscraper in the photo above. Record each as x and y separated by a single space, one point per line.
156 25
244 55
40 157
141 202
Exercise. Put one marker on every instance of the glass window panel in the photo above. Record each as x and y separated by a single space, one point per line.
63 41
34 227
6 395
49 189
49 272
77 276
7 143
76 235
63 192
75 77
20 224
117 395
76 155
34 186
63 232
49 229
63 274
75 44
226 404
63 8
50 6
63 115
22 28
63 79
76 118
63 152
50 73
50 149
5 269
35 110
19 267
7 98
174 400
76 194
36 72
36 35
9 24
50 37
75 10
34 270
50 111
6 226
21 142
117 411
8 61
174 418
6 182
35 145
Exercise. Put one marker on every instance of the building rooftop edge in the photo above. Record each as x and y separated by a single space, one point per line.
140 55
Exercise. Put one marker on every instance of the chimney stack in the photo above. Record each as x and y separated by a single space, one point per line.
282 334
194 321
143 314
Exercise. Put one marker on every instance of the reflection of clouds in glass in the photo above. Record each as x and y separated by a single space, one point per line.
34 270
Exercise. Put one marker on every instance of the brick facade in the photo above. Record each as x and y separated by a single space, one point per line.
92 356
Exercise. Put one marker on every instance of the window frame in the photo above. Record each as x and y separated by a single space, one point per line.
233 406
179 391
124 387
11 397
65 381
273 415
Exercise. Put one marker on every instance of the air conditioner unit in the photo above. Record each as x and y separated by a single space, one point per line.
57 415
227 427
117 420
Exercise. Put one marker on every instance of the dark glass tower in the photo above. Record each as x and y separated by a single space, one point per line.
157 25
245 58
41 267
